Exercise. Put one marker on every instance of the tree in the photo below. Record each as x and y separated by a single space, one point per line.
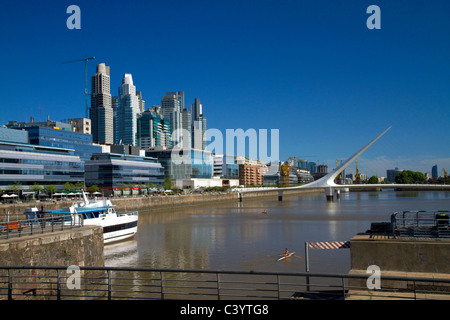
16 187
409 177
93 188
68 186
373 180
50 189
167 183
37 188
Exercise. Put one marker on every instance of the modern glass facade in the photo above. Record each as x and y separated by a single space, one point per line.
127 112
110 170
81 143
29 164
184 163
13 135
153 130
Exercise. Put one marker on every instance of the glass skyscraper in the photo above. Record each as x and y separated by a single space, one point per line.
153 130
127 112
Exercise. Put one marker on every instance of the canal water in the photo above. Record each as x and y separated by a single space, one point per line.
252 235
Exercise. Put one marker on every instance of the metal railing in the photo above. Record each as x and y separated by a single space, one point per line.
428 224
106 283
37 224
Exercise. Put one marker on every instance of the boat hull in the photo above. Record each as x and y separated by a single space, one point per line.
116 228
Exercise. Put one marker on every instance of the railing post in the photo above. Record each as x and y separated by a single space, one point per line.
109 284
278 286
218 285
58 285
9 284
162 285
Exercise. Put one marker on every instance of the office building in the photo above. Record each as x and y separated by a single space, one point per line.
112 170
153 130
184 163
13 135
28 164
391 173
101 112
225 167
434 172
79 143
127 112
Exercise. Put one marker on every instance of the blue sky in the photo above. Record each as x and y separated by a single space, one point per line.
311 69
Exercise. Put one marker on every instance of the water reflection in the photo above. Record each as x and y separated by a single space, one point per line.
239 236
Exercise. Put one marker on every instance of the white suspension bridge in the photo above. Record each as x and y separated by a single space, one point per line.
332 189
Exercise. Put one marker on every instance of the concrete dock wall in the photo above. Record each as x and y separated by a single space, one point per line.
79 247
400 257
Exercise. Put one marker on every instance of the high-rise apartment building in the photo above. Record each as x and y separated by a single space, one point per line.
198 126
101 112
172 105
127 112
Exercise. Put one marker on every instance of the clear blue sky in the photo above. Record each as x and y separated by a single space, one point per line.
311 69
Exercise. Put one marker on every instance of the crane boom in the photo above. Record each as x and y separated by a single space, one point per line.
85 80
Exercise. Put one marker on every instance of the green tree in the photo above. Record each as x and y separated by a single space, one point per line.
409 177
167 183
50 189
93 188
80 186
68 186
373 180
37 188
16 187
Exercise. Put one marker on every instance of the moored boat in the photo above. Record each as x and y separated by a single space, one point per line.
116 226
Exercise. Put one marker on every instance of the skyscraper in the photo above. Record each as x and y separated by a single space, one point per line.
198 126
172 105
434 172
127 112
101 112
153 130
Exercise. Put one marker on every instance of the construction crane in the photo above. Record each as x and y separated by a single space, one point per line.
445 175
285 169
85 80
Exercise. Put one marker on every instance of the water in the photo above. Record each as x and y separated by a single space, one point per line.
239 236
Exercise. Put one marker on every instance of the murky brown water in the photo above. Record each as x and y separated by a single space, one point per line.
238 236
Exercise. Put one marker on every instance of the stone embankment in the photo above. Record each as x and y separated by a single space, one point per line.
155 202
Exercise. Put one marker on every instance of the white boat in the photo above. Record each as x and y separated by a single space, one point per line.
116 226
